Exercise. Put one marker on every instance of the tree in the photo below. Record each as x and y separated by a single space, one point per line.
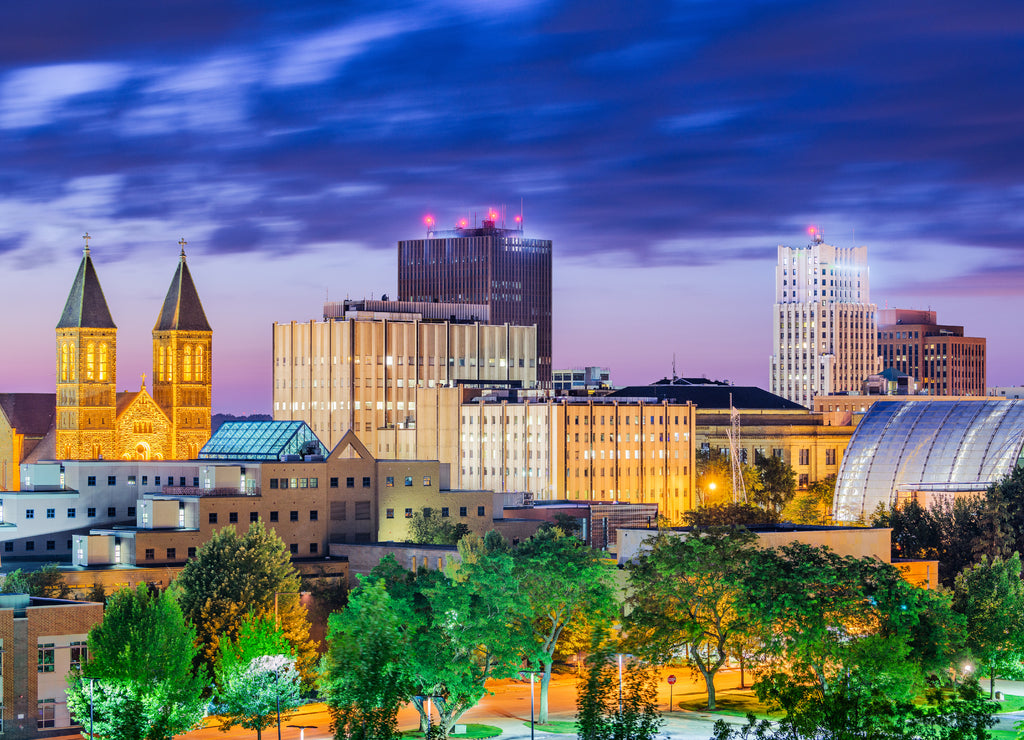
584 587
256 676
777 484
364 675
820 615
857 709
458 626
140 664
713 477
729 515
433 530
990 596
814 506
685 593
47 582
233 575
602 712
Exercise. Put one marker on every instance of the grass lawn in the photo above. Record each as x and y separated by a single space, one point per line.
736 703
1003 734
1010 704
558 727
472 731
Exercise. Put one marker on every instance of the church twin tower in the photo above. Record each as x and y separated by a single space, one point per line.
94 421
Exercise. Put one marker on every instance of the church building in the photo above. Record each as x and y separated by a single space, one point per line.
95 421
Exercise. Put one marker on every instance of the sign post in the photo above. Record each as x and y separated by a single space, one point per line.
671 680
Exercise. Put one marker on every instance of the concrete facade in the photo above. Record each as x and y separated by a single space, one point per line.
939 357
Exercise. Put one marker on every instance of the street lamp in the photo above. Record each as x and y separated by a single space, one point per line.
532 674
92 683
302 730
620 657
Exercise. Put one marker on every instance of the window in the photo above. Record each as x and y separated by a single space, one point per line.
314 515
805 457
233 517
426 480
111 480
366 481
350 482
145 480
30 513
181 481
389 481
334 482
91 480
131 511
30 545
802 481
444 512
427 512
79 653
303 482
408 513
293 549
156 480
213 517
273 482
284 483
51 544
171 553
362 510
480 511
315 483
254 516
45 658
8 546
830 457
131 480
51 513
91 511
390 514
293 516
191 552
462 511
111 511
408 480
195 482
313 548
46 709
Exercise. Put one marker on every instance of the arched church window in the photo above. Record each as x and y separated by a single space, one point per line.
162 370
90 361
187 369
103 361
65 364
71 362
199 362
170 364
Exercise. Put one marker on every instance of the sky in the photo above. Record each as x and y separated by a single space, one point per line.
666 148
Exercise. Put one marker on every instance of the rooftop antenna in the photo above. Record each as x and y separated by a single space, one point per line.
739 491
674 376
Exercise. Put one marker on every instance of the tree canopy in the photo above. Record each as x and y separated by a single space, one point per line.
235 574
47 581
435 530
142 685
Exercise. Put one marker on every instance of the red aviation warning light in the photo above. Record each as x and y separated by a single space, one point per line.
812 230
428 220
519 219
463 223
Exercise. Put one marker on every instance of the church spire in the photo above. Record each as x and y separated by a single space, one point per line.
182 309
86 306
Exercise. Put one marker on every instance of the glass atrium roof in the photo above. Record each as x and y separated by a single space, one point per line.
262 440
900 445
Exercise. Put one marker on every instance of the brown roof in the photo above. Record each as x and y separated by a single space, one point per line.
31 414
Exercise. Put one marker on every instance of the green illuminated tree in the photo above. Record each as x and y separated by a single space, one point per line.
584 588
435 530
685 593
47 581
233 575
140 664
257 682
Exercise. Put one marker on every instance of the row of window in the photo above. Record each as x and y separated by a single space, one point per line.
132 480
314 515
45 664
30 545
390 481
298 482
73 512
427 511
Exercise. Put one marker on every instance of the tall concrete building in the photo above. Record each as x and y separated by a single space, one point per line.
489 265
825 338
361 366
942 360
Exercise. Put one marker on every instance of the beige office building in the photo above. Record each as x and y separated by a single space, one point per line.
825 339
361 366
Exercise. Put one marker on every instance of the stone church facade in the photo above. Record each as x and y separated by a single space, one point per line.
93 420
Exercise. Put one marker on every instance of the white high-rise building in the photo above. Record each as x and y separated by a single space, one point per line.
825 339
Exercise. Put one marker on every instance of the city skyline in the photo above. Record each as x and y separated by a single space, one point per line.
665 150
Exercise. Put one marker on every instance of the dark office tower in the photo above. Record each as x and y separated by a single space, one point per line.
491 265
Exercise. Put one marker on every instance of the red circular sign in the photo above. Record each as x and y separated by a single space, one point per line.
671 679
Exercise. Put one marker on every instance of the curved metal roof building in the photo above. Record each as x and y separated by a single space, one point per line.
921 445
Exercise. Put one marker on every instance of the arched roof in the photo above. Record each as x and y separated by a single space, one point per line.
903 444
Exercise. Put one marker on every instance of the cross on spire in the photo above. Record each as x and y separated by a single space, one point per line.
143 376
182 242
87 238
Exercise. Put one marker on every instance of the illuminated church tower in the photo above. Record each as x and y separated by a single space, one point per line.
86 370
182 363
